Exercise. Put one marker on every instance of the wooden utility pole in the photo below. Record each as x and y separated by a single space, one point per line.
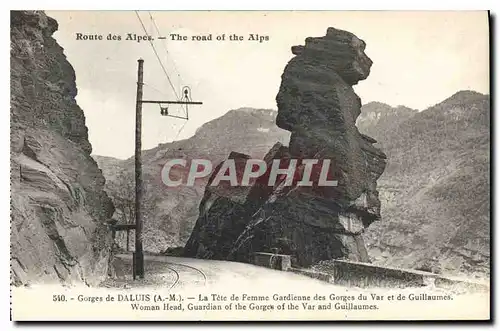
139 254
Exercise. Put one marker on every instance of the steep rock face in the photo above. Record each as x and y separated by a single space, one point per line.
58 207
317 104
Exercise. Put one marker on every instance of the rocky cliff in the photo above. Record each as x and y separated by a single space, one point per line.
317 104
59 210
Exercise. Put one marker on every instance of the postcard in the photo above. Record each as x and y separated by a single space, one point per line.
250 165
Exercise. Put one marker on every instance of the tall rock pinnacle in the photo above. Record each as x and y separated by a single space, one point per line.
317 104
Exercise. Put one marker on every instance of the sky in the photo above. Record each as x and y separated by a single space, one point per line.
419 59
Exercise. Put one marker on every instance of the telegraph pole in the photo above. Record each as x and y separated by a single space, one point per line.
139 254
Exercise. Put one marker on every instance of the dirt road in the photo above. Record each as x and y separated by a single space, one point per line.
180 272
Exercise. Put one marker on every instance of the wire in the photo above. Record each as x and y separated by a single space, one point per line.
163 93
182 127
180 130
157 90
162 66
157 56
164 47
180 81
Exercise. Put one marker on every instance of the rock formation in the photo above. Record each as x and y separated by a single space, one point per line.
317 104
58 207
225 210
171 213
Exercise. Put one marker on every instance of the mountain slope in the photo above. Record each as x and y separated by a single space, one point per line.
377 118
435 190
170 213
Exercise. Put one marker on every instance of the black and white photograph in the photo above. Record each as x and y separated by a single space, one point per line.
250 165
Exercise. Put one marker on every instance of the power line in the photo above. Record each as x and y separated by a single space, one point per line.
163 93
164 47
157 56
157 90
168 54
180 130
162 66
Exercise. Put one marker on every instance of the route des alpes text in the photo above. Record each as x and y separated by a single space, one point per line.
111 36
